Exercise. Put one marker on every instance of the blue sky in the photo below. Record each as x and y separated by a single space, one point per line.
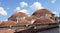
9 7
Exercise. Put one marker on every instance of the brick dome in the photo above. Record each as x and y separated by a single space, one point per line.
7 30
42 11
31 18
8 23
24 22
19 14
44 20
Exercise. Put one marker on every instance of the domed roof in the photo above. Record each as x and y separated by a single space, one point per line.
31 18
8 23
23 22
42 11
0 22
7 30
19 14
44 20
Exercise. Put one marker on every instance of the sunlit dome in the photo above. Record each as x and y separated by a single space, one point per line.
24 22
19 14
44 20
8 23
31 18
46 11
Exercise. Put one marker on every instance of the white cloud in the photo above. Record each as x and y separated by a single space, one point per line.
53 1
21 10
24 11
23 4
36 6
2 11
17 9
55 12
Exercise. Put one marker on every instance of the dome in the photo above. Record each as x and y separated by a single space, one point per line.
23 22
0 22
8 23
31 18
44 20
7 30
19 14
42 11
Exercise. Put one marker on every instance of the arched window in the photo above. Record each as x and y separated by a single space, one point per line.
19 18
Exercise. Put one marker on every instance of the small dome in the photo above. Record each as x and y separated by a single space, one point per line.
31 18
42 11
8 23
0 22
24 22
19 14
44 20
7 30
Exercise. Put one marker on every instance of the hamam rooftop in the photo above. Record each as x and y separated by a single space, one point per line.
22 20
